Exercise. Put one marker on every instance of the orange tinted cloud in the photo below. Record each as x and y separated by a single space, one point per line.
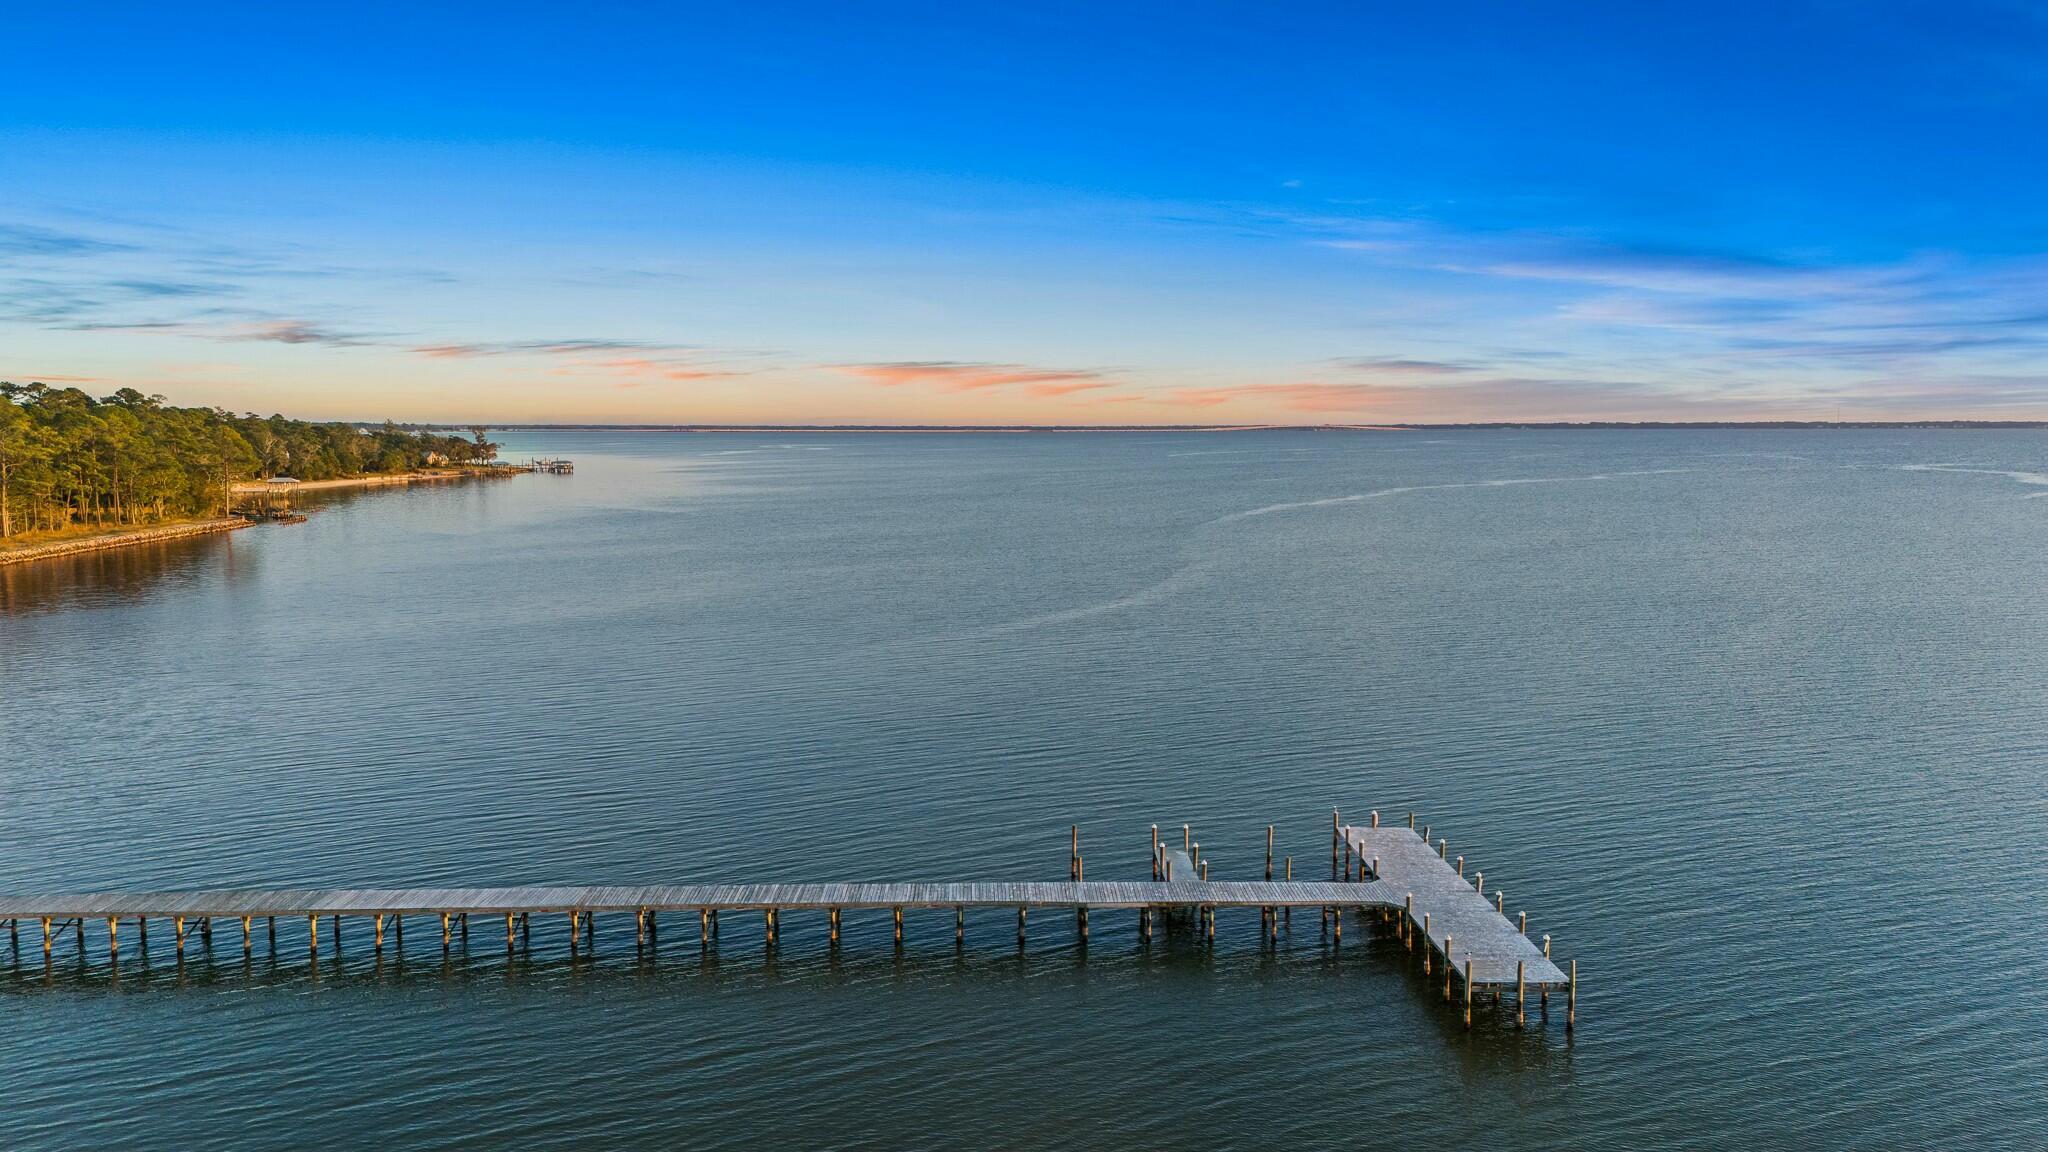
959 376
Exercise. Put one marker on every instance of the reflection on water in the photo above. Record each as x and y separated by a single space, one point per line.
126 574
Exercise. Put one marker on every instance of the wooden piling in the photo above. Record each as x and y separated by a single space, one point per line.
1408 920
1427 945
1411 821
1021 909
113 937
832 921
1468 993
312 933
1155 852
379 919
1482 882
1334 838
1525 922
1269 853
959 924
899 925
46 936
1187 842
177 930
1521 995
1500 903
1449 966
509 921
248 935
1461 867
1571 999
444 932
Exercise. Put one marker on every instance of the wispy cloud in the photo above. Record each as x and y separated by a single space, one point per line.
968 376
294 332
29 240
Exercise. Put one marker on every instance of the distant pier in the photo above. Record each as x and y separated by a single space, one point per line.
552 465
1390 874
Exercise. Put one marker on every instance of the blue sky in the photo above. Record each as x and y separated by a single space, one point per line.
1049 213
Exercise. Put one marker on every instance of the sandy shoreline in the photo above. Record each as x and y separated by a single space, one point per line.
119 539
250 487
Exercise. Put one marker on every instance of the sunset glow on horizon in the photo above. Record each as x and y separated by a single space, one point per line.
1055 216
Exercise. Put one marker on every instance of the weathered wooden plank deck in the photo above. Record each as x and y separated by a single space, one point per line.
1459 916
694 897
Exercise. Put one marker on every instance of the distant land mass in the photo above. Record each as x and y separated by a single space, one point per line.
1502 425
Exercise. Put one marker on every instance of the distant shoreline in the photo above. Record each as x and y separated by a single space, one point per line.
252 487
1507 426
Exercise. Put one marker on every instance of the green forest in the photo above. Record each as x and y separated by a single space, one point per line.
68 460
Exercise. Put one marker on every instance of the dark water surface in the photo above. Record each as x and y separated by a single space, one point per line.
1755 724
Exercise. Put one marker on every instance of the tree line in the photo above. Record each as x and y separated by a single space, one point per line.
67 459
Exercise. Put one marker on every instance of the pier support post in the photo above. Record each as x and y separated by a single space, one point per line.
704 926
1375 869
445 937
270 928
1408 920
379 920
113 937
959 925
1375 817
1500 903
462 926
312 934
248 935
1426 944
832 919
509 922
899 925
1461 867
1020 925
1269 853
639 928
1521 995
46 935
1335 838
1155 852
398 930
141 932
1482 881
1525 922
1411 821
1468 993
1543 993
1571 999
1449 966
1337 923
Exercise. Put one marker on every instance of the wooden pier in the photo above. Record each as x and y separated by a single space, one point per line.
1391 874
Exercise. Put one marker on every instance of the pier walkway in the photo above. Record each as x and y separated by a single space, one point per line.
1399 878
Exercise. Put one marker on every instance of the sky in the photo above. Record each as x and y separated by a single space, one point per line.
1041 213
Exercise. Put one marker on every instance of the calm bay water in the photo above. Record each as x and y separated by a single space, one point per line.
1755 724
